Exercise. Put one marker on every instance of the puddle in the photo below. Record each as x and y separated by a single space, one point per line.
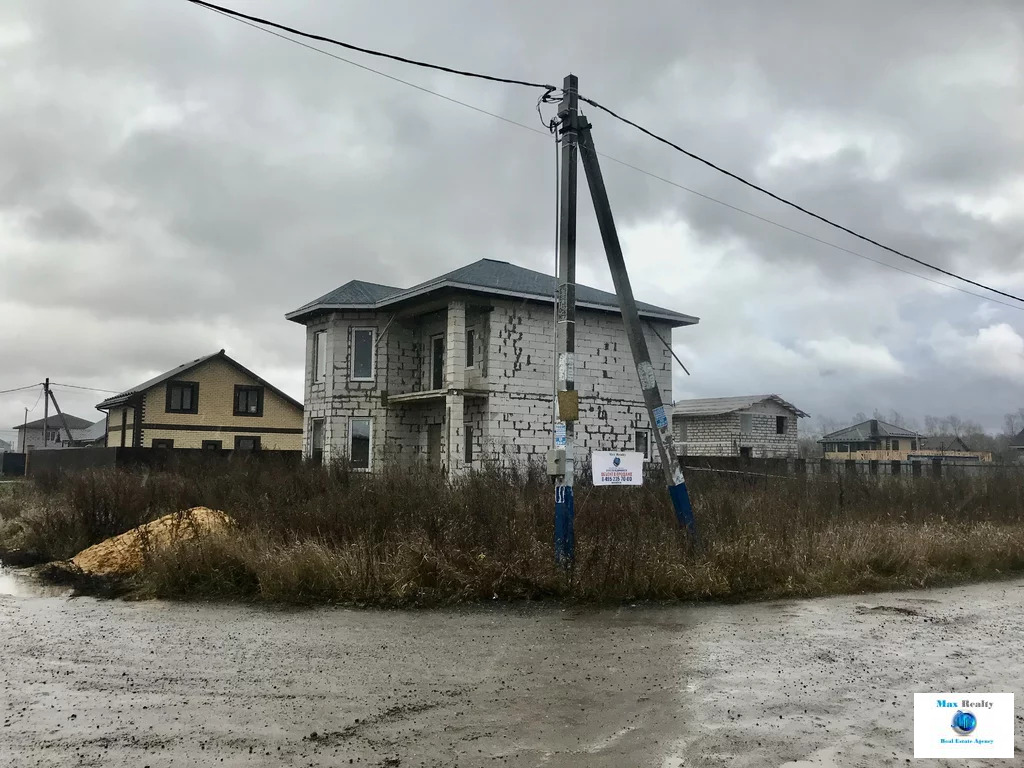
15 584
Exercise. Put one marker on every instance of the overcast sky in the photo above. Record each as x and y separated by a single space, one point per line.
172 182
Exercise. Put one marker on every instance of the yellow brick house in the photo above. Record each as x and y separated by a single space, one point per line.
211 403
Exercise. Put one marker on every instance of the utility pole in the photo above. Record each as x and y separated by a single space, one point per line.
567 404
24 432
637 342
46 408
63 418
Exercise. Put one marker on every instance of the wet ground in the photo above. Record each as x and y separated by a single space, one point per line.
813 683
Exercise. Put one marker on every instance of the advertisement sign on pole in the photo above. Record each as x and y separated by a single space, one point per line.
617 467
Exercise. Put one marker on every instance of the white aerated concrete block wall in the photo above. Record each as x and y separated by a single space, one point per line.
721 435
520 371
513 364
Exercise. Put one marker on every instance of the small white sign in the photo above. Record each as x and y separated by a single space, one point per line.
963 725
560 435
617 468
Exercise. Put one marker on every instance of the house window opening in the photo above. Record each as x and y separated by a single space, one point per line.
642 442
359 443
363 343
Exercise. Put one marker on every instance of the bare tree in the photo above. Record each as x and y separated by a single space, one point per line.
1014 422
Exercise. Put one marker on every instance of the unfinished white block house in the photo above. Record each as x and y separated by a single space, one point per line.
457 371
753 426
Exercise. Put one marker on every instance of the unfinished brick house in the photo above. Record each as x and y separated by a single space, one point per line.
457 371
754 426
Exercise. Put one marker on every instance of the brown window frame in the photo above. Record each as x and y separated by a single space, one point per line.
193 386
259 399
213 445
163 442
256 442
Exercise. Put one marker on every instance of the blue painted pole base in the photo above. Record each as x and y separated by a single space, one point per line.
565 526
684 510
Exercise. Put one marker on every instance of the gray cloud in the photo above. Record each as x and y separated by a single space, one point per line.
174 181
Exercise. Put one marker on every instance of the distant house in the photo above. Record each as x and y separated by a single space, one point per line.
4 446
762 426
93 435
871 436
30 436
212 402
876 440
1017 443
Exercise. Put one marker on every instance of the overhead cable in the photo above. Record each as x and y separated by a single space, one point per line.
370 51
796 206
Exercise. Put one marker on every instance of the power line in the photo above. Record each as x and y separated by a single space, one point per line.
89 389
243 18
809 236
20 389
791 204
370 51
378 72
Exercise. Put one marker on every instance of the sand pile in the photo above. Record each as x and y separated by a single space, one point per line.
123 554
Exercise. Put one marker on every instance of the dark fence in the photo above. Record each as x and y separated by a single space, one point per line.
826 467
77 459
12 464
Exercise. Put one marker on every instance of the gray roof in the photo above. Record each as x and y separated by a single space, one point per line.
180 370
485 276
715 406
866 431
1018 441
54 422
91 433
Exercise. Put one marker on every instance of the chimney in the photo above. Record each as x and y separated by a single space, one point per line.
874 427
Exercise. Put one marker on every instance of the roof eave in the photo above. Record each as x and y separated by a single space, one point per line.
678 318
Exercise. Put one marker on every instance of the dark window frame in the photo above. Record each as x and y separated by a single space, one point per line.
259 390
163 442
193 386
781 426
469 443
255 442
213 445
470 347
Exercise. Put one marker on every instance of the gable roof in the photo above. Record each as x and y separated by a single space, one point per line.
92 432
1018 441
872 429
486 276
947 443
182 369
715 406
53 422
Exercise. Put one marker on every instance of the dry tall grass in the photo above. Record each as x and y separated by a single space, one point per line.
310 535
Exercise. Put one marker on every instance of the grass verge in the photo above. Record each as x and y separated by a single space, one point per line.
309 535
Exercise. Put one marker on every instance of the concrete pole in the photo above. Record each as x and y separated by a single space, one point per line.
634 330
565 327
46 409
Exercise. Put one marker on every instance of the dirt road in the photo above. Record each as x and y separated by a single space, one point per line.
818 683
